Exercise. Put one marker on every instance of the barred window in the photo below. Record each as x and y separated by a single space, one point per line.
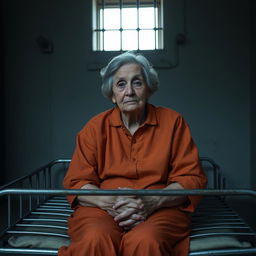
127 25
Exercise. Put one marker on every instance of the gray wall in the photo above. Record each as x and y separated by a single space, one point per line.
253 94
49 97
1 106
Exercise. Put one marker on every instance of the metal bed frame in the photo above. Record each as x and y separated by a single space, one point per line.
32 207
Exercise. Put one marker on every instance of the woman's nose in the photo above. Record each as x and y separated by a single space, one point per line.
129 89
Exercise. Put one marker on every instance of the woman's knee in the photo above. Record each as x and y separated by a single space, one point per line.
93 231
100 231
148 242
86 221
96 239
148 234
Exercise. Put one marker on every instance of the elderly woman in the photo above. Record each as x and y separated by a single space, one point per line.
134 145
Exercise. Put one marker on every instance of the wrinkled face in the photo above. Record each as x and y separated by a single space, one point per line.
130 91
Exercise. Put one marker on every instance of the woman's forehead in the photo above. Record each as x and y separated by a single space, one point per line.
129 69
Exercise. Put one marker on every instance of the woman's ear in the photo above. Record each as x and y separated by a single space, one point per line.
113 99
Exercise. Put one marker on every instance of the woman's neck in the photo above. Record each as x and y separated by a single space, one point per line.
132 120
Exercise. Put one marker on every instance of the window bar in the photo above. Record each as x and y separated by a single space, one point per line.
103 29
97 25
121 24
161 22
138 24
155 8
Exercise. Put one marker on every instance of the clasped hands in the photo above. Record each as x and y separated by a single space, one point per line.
127 211
130 211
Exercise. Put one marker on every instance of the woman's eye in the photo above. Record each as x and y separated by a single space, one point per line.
137 83
121 85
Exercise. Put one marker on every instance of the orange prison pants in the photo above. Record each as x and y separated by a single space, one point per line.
93 232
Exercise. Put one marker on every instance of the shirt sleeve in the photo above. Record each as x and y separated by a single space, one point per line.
185 164
83 166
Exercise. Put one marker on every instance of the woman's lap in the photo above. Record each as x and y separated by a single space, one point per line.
93 227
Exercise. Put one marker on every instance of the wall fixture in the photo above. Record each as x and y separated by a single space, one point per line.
45 45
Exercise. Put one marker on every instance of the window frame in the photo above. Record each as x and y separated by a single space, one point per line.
98 29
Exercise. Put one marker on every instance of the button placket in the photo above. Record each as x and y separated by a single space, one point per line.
134 152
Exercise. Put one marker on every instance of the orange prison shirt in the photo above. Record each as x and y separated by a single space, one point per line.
160 152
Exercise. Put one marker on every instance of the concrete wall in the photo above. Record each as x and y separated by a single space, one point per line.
49 97
1 106
253 94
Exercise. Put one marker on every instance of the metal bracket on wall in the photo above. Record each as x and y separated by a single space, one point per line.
45 45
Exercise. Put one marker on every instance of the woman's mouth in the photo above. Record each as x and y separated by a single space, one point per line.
130 101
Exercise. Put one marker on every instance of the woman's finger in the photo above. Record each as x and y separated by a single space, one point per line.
125 214
128 228
125 223
120 203
122 207
129 203
137 217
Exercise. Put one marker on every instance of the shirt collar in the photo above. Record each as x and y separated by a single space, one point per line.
115 116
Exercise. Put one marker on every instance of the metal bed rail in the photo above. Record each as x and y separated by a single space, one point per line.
138 192
61 211
19 206
39 178
45 178
42 177
31 202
